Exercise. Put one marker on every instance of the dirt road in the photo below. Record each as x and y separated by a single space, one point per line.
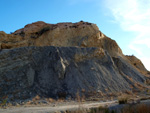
50 109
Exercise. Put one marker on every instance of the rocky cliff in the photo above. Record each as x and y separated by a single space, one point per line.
55 60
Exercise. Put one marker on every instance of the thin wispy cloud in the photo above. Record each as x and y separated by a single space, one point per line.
134 16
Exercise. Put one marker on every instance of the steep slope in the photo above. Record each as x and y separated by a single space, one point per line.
55 60
52 71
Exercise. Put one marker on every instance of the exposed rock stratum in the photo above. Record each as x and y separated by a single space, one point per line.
55 60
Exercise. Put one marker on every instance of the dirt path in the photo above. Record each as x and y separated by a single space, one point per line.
50 109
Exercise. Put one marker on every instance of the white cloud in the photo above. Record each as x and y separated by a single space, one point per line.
134 16
146 62
137 50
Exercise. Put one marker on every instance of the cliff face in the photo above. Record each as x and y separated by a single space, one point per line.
62 59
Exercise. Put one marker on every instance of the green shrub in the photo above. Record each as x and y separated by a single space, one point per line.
3 103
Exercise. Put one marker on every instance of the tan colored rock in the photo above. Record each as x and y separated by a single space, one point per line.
8 41
138 65
31 28
81 34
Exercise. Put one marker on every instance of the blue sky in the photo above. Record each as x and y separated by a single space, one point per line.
126 21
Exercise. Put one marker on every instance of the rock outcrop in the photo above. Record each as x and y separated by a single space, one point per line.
138 64
81 34
63 59
50 71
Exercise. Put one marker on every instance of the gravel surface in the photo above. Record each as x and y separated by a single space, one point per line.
55 108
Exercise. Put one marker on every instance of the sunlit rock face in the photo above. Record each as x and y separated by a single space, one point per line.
55 60
81 34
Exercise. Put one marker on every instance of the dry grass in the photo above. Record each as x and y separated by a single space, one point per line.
50 100
37 97
100 110
139 108
123 99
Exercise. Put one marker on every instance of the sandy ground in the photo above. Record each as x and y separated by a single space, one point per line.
57 108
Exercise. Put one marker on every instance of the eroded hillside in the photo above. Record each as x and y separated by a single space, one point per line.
61 59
